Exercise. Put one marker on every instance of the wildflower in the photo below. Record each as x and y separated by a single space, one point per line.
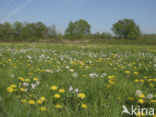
43 109
130 98
127 72
31 102
71 70
39 101
38 82
138 92
58 106
135 73
33 85
13 86
10 89
81 95
141 101
61 90
136 80
22 89
57 96
76 90
74 74
42 98
26 84
151 85
142 96
35 79
27 80
23 101
111 82
152 101
150 96
53 88
142 81
70 88
93 75
21 79
84 106
111 77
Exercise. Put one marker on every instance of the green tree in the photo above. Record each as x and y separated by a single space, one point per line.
51 31
77 29
126 29
17 29
34 30
6 31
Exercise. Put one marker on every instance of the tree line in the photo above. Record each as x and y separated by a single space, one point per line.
81 29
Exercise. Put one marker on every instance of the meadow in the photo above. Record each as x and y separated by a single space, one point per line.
76 80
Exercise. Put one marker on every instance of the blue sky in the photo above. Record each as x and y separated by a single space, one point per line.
101 14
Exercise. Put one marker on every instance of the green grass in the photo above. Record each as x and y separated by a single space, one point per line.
48 62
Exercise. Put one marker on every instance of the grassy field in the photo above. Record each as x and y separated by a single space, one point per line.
75 80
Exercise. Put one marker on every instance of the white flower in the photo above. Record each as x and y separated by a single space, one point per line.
67 67
70 88
150 96
33 86
76 90
93 75
74 74
103 75
12 75
26 84
71 70
138 92
38 82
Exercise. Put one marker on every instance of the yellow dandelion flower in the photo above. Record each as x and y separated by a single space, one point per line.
43 109
152 101
111 77
57 96
31 102
53 88
142 96
136 80
127 72
58 106
81 95
84 106
39 101
27 80
61 90
10 89
141 101
135 73
22 89
35 79
42 98
21 79
13 86
23 101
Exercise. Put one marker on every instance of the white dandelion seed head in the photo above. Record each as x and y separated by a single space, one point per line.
150 96
138 92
